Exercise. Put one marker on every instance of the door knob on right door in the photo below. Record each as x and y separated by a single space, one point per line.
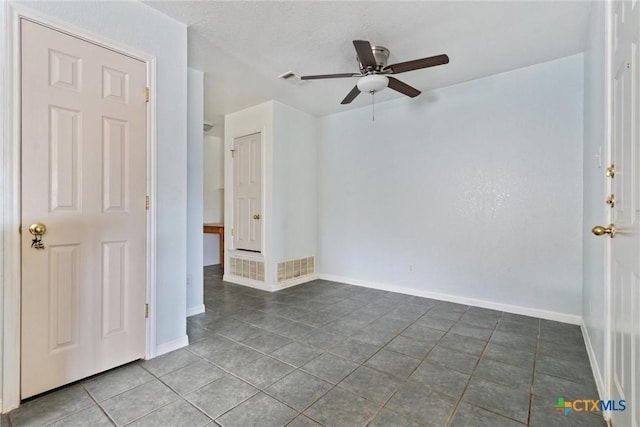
599 230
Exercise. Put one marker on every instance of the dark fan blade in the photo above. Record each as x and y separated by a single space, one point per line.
351 95
365 54
403 88
330 76
417 64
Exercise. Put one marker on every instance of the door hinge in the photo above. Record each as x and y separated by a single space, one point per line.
232 231
146 311
146 202
233 153
611 171
146 94
611 201
20 229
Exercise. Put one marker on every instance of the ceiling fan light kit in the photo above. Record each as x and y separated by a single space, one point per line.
372 83
374 71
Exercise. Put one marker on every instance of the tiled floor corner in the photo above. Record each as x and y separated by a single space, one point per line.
329 354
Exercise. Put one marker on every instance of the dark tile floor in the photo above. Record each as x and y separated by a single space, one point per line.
330 354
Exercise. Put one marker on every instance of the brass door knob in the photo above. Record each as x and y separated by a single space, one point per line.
37 229
599 230
256 216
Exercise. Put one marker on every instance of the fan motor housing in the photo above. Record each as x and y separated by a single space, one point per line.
381 54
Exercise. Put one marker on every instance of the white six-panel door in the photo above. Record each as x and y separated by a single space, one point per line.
84 177
625 214
247 192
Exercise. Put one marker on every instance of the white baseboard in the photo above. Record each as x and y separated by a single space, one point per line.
192 311
297 281
172 345
593 362
515 309
246 282
267 287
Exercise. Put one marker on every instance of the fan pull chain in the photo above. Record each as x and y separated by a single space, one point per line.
373 107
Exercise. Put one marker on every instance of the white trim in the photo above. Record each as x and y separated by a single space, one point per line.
593 361
608 323
238 280
508 308
267 195
240 253
176 344
11 280
192 311
297 281
11 177
152 214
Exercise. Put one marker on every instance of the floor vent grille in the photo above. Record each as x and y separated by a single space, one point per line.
294 268
247 268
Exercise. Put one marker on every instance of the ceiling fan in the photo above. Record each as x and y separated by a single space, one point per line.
374 71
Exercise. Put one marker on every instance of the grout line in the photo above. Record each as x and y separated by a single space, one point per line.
179 394
533 374
490 381
154 410
104 411
468 382
260 390
8 418
384 405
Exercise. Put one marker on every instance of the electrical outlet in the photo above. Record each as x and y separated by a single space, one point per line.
189 279
410 268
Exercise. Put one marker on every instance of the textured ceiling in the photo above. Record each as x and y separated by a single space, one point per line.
242 46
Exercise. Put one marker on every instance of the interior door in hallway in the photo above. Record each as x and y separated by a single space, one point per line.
84 177
624 250
247 192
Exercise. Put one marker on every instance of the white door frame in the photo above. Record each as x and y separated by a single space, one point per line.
608 321
10 322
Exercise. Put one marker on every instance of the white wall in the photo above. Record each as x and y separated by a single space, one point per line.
213 179
211 248
594 212
3 139
477 185
213 194
295 184
195 209
145 29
